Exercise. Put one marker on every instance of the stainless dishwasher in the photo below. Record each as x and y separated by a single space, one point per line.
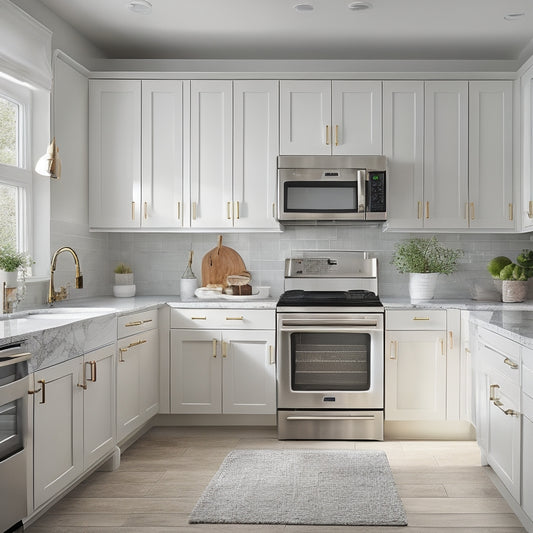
14 382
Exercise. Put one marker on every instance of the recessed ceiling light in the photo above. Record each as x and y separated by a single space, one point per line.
142 7
359 6
304 7
513 16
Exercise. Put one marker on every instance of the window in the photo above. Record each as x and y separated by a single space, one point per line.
15 174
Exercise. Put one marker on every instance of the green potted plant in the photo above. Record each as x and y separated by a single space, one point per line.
11 262
123 275
424 260
513 276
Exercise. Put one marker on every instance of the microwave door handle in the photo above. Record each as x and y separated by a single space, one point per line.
361 191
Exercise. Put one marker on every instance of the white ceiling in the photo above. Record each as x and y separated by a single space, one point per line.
273 29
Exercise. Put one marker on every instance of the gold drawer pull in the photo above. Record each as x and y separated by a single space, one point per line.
420 318
136 323
136 343
271 353
234 318
224 349
450 335
512 364
507 412
215 348
198 318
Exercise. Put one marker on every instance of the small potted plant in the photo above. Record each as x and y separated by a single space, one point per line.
11 263
123 275
513 276
424 260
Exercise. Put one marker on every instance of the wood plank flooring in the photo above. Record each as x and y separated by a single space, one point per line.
442 486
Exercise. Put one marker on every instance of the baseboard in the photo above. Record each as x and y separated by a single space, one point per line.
215 420
429 430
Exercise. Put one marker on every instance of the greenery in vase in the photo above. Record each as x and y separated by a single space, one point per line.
425 256
503 268
123 269
11 260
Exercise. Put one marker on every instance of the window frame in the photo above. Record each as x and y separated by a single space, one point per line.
21 176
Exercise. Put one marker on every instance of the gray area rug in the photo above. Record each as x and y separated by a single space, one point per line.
311 487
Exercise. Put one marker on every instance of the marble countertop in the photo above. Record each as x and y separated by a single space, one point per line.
515 325
457 303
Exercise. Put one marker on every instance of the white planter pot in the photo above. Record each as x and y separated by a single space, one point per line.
422 286
124 279
10 278
514 291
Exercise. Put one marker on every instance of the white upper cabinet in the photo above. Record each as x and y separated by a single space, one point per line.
136 175
323 117
403 145
256 148
305 117
163 123
526 206
490 175
211 153
115 153
446 154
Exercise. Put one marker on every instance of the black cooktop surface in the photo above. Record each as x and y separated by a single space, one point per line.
353 298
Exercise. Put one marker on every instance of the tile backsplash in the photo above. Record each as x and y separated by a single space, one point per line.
159 259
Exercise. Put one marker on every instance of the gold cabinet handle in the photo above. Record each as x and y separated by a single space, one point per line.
234 318
507 412
35 391
327 134
492 392
420 318
271 354
93 371
131 324
179 210
467 211
442 352
238 211
419 213
147 320
224 349
512 364
133 210
43 390
120 352
450 336
472 211
427 209
194 210
511 212
198 318
130 345
530 209
336 135
145 210
215 348
393 349
229 212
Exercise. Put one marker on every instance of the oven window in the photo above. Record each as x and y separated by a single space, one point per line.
321 197
330 361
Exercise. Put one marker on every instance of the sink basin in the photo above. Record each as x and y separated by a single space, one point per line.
68 314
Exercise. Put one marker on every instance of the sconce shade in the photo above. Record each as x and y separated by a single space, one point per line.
50 163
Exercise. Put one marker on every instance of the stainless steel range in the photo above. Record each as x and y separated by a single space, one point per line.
330 348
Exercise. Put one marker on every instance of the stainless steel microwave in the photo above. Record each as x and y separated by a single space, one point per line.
315 188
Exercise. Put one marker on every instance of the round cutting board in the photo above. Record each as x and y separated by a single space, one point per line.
219 263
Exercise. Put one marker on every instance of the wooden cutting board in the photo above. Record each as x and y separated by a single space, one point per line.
219 263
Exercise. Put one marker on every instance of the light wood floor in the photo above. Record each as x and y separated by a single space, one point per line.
442 485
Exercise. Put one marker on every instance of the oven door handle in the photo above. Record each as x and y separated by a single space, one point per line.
359 417
324 328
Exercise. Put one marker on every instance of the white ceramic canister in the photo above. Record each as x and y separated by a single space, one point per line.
187 288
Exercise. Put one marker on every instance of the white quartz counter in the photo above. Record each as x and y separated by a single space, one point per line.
466 304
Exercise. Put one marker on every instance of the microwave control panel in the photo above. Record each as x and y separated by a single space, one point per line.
376 192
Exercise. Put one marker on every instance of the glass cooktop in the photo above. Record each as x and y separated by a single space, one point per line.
353 298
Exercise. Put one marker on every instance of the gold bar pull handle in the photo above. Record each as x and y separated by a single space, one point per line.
224 349
234 318
145 210
136 343
194 210
336 135
229 210
238 211
133 210
273 210
131 324
472 211
93 371
179 210
120 352
530 209
450 337
393 349
507 412
467 211
492 392
215 348
327 134
427 209
420 318
272 359
149 319
511 212
198 318
84 378
442 351
419 213
43 390
510 363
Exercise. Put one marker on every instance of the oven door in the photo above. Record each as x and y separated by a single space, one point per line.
330 361
317 194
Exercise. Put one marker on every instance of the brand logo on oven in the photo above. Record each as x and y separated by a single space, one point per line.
328 399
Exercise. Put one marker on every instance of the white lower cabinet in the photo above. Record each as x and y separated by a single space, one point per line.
217 371
422 370
73 425
137 381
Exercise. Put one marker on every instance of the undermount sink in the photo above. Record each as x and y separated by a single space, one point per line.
72 313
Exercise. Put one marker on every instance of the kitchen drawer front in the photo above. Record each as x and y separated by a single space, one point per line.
497 352
136 322
223 318
422 319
